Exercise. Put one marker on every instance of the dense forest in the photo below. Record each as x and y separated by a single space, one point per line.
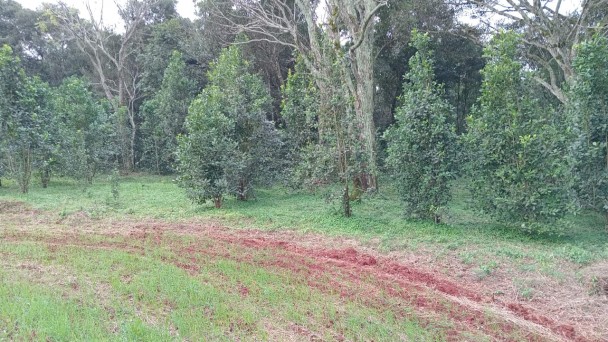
342 94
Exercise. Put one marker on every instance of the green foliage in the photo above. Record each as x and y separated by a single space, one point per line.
309 164
422 144
164 116
589 112
23 119
229 144
86 131
518 170
299 107
324 139
115 187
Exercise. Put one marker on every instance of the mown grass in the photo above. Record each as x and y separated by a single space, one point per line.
466 234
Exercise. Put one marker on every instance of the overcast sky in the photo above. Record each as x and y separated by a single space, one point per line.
110 14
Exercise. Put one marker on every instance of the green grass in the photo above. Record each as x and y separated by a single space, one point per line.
467 234
78 293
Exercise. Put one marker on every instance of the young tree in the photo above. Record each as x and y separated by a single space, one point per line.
23 118
589 109
164 115
229 144
422 143
86 129
517 164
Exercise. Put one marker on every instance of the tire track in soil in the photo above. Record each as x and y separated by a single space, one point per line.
416 287
347 267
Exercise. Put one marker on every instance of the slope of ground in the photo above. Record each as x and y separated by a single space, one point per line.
112 270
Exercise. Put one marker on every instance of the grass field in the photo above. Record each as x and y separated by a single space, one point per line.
78 263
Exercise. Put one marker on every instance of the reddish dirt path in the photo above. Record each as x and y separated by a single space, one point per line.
330 265
425 290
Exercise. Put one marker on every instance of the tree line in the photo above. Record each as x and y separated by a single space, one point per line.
256 93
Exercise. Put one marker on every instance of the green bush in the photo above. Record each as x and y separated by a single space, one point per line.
422 144
229 144
518 167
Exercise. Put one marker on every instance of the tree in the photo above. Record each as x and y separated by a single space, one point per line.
86 129
229 144
550 34
299 110
393 29
589 110
422 144
164 115
112 57
176 34
349 30
23 118
517 147
43 49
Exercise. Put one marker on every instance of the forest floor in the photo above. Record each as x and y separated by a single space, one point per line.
76 264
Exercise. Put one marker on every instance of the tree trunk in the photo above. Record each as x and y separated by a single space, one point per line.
364 110
45 177
217 202
26 170
131 165
346 209
242 195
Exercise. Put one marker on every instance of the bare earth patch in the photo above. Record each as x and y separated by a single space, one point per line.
566 311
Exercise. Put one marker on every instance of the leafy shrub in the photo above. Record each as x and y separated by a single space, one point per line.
422 144
517 164
229 144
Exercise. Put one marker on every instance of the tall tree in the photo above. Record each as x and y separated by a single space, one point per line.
176 34
422 144
112 56
297 25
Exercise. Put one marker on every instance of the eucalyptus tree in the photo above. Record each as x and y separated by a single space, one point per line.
550 33
348 26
